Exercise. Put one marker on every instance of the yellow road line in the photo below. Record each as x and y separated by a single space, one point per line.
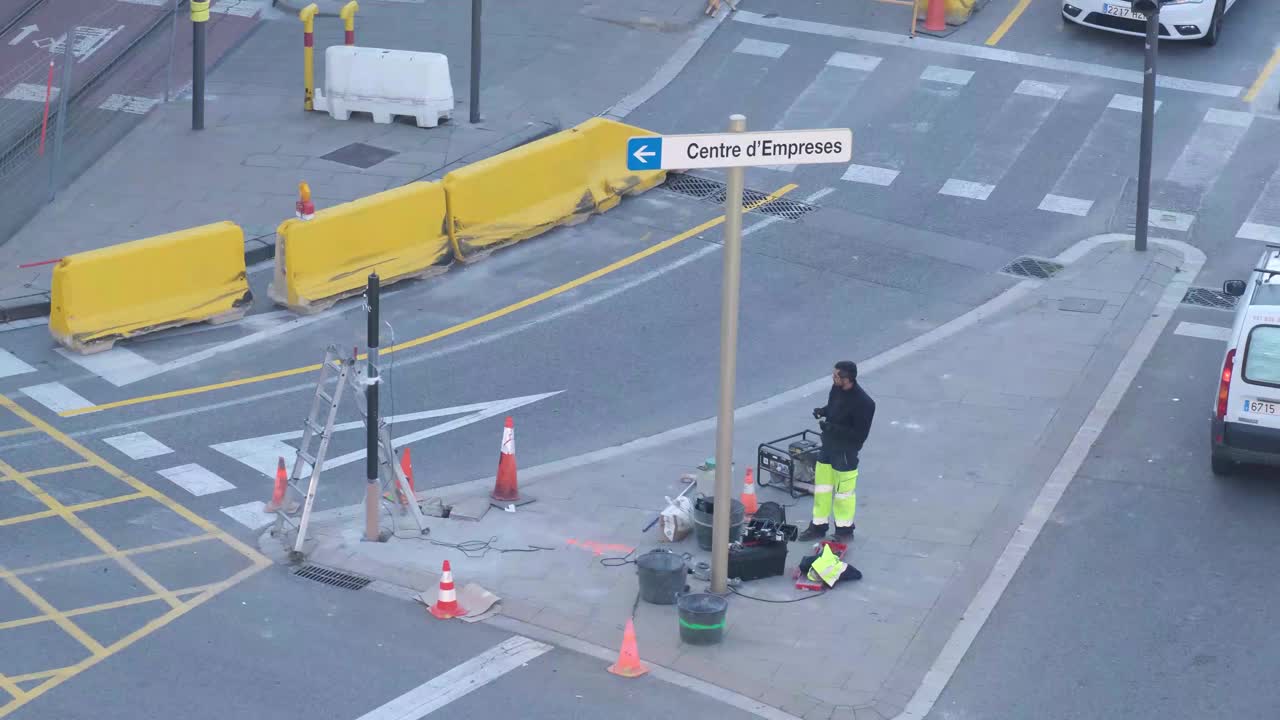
136 635
73 508
100 607
86 559
55 616
89 533
39 675
8 685
1263 76
179 509
16 431
467 325
1014 14
61 468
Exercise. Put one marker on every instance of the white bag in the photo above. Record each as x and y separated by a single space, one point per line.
677 519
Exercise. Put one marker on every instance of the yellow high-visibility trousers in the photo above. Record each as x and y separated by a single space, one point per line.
834 493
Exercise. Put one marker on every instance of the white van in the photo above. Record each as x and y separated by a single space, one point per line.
1246 415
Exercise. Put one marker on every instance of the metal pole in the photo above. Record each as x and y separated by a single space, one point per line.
371 402
475 61
1148 126
64 95
199 20
731 278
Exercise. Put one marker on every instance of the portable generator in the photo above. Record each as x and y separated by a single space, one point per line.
790 462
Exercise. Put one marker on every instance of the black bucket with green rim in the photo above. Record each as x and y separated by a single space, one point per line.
701 617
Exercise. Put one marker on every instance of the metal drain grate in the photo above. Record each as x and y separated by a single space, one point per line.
1029 267
714 191
336 578
1210 298
694 186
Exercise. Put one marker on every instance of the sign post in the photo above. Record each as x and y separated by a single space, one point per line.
1151 9
735 150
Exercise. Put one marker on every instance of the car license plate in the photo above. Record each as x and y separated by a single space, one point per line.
1260 407
1123 12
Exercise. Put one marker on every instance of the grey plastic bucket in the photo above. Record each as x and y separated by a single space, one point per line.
701 618
702 524
662 575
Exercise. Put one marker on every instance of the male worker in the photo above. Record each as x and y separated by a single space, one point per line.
845 422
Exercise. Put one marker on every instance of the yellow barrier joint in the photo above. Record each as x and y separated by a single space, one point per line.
199 11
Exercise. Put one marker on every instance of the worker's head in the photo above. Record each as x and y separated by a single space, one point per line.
844 375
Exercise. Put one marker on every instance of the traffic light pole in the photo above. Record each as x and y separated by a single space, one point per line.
1151 8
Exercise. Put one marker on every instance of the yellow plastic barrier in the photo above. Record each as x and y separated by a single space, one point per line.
185 277
399 233
518 194
606 142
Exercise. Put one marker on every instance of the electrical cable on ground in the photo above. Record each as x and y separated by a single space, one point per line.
473 549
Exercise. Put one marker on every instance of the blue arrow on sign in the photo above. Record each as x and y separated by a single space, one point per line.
644 153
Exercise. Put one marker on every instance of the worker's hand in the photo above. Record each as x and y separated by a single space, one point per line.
817 413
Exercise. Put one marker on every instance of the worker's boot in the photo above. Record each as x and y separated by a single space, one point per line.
813 532
844 534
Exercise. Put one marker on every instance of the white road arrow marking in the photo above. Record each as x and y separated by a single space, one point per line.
23 33
643 153
262 453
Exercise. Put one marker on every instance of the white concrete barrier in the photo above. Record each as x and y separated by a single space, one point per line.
386 83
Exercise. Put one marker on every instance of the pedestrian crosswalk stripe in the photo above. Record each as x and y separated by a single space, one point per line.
967 189
954 76
118 366
196 480
10 365
1264 219
1169 220
1257 231
1066 205
854 61
1036 88
1130 103
252 515
1229 117
763 48
138 445
56 397
819 104
870 175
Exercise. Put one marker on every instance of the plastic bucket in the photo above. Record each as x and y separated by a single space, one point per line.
662 575
701 618
702 523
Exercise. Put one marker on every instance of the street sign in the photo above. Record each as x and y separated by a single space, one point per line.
748 149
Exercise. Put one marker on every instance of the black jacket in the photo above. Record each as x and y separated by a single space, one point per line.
847 417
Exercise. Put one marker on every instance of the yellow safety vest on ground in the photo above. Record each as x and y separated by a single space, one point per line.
827 567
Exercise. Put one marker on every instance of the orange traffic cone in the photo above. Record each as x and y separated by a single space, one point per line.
282 487
406 467
936 18
505 489
629 664
447 603
749 503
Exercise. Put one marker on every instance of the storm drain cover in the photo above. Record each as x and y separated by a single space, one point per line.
1029 267
714 191
336 578
359 155
694 186
1081 305
1210 298
787 209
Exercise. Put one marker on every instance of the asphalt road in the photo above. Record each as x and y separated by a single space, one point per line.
883 258
1147 594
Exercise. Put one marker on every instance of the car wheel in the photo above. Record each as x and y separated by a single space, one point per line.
1215 27
1221 465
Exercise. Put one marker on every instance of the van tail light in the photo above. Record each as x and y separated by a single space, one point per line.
1224 387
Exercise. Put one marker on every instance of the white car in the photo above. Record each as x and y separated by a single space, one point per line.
1245 425
1179 19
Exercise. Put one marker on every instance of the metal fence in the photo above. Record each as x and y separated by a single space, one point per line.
62 109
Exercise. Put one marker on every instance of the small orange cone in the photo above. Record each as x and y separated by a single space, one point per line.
447 603
629 664
406 466
936 16
505 488
749 503
282 486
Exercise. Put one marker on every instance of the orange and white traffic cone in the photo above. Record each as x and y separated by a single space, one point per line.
749 503
406 467
628 664
447 603
935 19
505 488
281 489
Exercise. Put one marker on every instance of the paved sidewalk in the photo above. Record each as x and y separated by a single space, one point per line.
546 66
972 419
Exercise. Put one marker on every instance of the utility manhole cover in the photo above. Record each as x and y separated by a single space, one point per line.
1081 305
336 578
1210 298
359 155
1029 267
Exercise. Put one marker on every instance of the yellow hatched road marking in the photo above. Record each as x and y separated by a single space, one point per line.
440 334
1005 26
100 607
85 560
16 431
61 468
56 616
8 685
73 508
1263 77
